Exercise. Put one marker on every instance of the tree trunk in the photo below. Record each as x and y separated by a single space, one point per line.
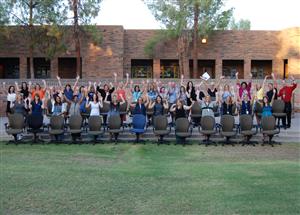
76 37
31 40
195 41
183 47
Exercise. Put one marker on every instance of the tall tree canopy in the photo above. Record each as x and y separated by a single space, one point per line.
179 17
83 11
242 24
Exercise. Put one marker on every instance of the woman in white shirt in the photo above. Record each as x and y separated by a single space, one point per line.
95 105
11 98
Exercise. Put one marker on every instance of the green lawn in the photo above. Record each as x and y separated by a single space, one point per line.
149 179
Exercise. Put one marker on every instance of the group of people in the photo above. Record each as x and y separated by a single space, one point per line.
176 99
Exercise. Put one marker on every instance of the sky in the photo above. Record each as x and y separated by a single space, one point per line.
263 14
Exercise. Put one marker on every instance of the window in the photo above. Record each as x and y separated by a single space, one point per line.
261 68
67 67
169 69
230 67
141 68
9 68
203 67
41 67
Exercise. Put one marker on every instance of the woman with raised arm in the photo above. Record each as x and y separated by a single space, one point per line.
207 106
136 92
172 93
151 91
37 89
245 105
244 87
121 89
140 106
95 104
24 91
20 105
107 89
180 109
267 106
159 105
11 98
259 96
37 105
272 87
227 106
199 93
213 88
182 95
114 104
190 93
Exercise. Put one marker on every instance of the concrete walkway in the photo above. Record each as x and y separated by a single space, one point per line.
289 135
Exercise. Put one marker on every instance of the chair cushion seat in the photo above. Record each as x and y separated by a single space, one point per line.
271 132
31 130
161 132
137 130
183 134
228 133
207 132
95 132
114 130
75 131
14 131
248 133
56 131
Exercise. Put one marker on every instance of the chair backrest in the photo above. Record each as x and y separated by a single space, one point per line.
268 123
75 122
182 125
160 123
114 122
57 122
196 108
246 122
105 108
227 122
16 121
35 121
95 123
278 106
138 121
208 123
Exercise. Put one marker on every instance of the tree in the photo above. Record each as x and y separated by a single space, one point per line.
83 12
38 20
187 20
242 24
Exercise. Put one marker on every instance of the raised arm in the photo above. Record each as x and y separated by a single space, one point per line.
59 82
122 99
181 80
166 104
173 108
127 81
76 82
274 80
17 86
45 84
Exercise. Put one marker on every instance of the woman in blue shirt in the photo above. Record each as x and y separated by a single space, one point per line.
267 106
36 106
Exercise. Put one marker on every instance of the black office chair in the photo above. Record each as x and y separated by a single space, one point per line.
35 126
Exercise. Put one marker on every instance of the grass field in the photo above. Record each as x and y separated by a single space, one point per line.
149 179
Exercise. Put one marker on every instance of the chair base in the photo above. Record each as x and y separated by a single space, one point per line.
227 142
208 142
162 141
248 142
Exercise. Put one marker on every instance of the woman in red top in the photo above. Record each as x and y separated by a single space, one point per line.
286 93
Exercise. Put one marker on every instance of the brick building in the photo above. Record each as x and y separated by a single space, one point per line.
122 51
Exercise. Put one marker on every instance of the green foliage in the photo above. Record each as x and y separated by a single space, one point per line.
177 17
242 24
93 32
